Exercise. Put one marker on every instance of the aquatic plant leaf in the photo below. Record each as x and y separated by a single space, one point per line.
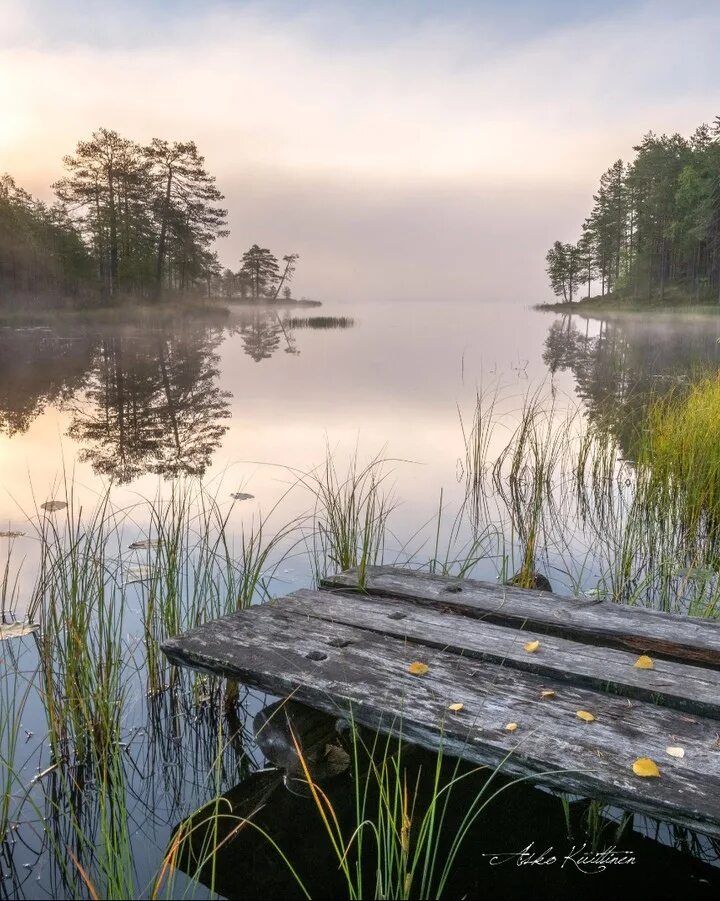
11 534
16 630
675 751
645 767
547 693
532 646
139 574
511 727
242 496
145 544
417 668
456 708
53 506
644 662
584 716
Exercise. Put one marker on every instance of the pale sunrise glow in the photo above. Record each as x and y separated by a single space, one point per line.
296 125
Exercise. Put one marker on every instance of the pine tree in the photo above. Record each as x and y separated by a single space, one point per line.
262 270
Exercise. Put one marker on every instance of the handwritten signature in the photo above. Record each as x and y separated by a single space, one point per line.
582 857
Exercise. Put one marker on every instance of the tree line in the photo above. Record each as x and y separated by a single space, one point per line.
260 276
654 227
128 220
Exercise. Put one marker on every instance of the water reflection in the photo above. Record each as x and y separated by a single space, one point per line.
620 362
141 400
265 331
38 368
152 405
216 845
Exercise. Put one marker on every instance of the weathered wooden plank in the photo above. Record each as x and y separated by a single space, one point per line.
672 684
339 668
673 636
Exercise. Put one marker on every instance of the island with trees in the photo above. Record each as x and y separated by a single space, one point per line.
129 224
653 234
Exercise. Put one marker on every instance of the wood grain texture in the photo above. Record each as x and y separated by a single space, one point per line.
677 685
342 668
672 636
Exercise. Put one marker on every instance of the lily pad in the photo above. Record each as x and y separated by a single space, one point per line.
139 574
53 506
16 630
145 544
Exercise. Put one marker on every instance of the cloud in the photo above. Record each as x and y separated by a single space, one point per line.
429 138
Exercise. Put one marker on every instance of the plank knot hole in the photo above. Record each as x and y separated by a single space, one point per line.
316 655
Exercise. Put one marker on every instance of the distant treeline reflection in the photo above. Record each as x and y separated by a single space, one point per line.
141 400
620 363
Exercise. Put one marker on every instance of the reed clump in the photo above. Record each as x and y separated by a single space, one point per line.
678 452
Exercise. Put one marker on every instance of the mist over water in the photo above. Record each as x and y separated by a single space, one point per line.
249 402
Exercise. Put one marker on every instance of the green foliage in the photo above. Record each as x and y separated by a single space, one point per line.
679 453
130 220
655 222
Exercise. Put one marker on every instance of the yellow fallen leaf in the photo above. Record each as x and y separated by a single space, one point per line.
511 727
644 662
645 767
456 708
417 668
585 716
547 693
674 751
532 646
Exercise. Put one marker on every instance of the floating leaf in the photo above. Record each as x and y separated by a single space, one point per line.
16 630
139 574
644 662
11 534
645 767
53 506
547 693
417 668
532 646
675 751
584 716
145 544
242 496
456 708
511 727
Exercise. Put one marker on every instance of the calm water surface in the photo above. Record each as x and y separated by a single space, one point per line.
248 401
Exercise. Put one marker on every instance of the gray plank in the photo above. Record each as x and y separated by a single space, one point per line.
342 669
689 639
672 684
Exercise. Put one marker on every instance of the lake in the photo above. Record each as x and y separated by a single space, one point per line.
251 402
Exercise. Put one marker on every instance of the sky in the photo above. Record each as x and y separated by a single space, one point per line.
406 150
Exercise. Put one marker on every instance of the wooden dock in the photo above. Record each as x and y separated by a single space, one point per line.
342 649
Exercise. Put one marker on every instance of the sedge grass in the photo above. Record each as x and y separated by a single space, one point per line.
542 488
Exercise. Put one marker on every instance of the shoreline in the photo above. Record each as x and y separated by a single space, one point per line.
610 304
136 311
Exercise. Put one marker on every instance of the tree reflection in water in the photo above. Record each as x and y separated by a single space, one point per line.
152 405
141 399
621 362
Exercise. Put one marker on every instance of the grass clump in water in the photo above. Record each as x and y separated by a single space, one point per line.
679 455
